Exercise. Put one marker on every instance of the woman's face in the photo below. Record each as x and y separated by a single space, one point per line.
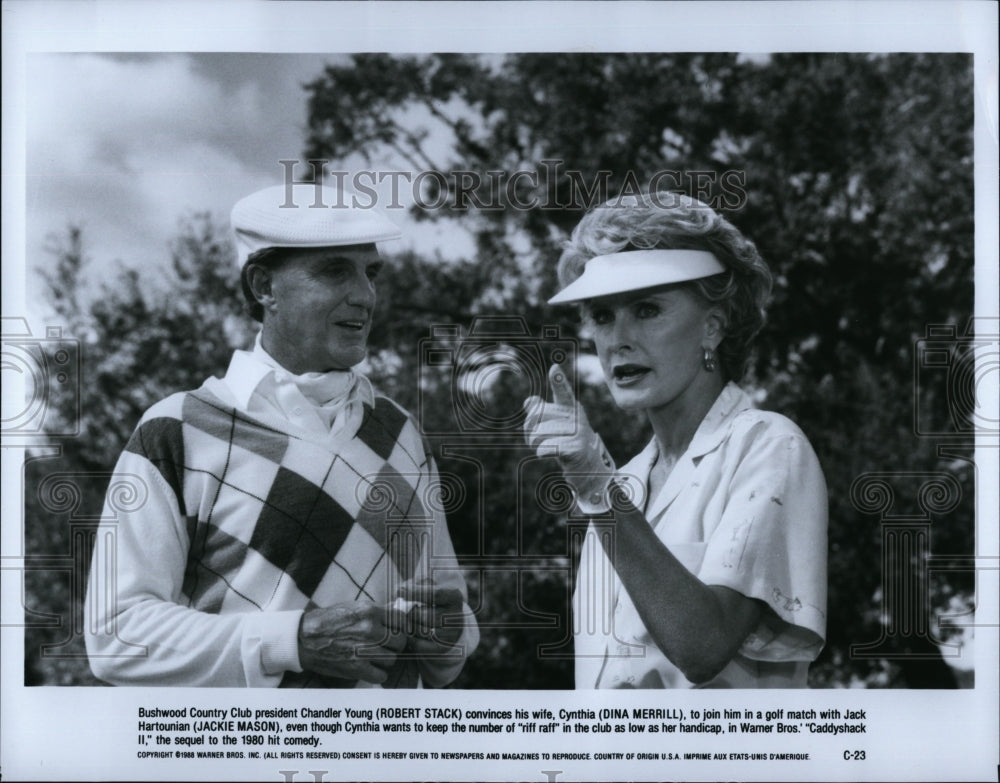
651 345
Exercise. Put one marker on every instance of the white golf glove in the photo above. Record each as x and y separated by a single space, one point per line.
560 429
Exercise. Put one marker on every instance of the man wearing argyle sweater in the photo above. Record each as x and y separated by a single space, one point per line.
289 530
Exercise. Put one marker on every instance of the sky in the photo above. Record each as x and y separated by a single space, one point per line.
126 145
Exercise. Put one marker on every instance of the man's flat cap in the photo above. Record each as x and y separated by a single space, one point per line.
306 215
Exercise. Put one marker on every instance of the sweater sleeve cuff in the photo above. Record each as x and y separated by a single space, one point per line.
273 639
440 670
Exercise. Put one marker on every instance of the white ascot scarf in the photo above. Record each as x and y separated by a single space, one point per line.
325 393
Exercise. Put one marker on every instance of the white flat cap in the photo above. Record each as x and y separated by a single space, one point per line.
633 270
306 215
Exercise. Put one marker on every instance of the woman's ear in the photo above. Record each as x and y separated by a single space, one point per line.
715 327
259 280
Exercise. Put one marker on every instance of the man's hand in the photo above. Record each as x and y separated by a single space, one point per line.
349 640
562 425
433 614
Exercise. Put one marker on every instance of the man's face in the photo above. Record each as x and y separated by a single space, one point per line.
322 306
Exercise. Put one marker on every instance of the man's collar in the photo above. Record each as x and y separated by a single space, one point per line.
249 369
245 374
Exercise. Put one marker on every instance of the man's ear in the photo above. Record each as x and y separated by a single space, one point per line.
259 279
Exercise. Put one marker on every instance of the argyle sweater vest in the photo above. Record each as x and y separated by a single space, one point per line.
275 522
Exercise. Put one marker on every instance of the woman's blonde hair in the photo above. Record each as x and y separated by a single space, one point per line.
672 221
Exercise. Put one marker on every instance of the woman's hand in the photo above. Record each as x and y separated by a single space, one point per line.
560 429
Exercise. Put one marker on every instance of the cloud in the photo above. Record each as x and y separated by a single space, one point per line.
125 146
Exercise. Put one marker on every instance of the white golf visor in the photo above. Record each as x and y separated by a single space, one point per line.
633 270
